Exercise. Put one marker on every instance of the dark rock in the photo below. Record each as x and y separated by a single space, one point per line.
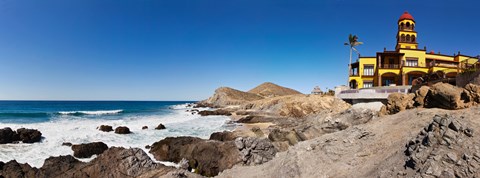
105 128
215 112
66 144
122 130
56 166
15 169
160 127
86 150
255 119
144 127
7 135
223 136
208 157
29 135
148 146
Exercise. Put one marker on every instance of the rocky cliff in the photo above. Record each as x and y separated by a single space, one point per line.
269 90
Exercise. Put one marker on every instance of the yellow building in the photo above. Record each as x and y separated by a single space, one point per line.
405 63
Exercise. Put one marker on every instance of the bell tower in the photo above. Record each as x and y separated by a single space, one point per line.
406 36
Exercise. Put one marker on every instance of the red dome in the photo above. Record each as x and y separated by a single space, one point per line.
406 15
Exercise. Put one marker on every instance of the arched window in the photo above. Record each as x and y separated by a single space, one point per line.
402 25
413 26
413 38
408 38
408 25
403 38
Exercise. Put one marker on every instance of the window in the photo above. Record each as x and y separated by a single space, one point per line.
368 70
367 84
412 62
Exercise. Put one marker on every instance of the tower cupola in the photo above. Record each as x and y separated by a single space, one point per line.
406 36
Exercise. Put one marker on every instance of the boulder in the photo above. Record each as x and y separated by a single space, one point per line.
397 102
122 130
215 112
86 150
420 96
105 128
446 96
56 166
160 127
29 135
7 135
223 136
144 127
254 150
474 92
207 157
277 135
66 144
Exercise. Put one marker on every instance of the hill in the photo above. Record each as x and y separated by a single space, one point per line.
268 90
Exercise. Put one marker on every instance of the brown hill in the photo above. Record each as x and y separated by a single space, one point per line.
225 96
268 90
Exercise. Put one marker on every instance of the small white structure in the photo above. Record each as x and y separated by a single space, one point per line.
317 91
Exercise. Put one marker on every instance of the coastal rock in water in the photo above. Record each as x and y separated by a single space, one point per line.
66 144
7 135
223 136
215 112
269 90
160 127
122 130
88 149
105 128
144 127
208 157
254 150
399 102
29 135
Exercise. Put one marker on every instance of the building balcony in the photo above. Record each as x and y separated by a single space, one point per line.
389 66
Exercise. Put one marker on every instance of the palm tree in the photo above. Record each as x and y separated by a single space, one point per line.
352 42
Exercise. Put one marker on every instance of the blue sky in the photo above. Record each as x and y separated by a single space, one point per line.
184 49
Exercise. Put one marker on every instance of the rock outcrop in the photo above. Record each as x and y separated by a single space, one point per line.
29 135
297 105
86 150
255 151
105 128
122 130
114 162
444 148
207 157
215 112
223 136
7 135
269 90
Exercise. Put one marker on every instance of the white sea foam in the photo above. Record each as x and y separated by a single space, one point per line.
81 130
91 112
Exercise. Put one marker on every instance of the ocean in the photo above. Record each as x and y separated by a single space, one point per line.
77 121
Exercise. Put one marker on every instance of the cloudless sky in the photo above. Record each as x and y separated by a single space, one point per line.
185 49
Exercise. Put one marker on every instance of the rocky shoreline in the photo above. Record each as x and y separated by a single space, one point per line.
282 133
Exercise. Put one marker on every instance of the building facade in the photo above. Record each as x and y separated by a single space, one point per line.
404 64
